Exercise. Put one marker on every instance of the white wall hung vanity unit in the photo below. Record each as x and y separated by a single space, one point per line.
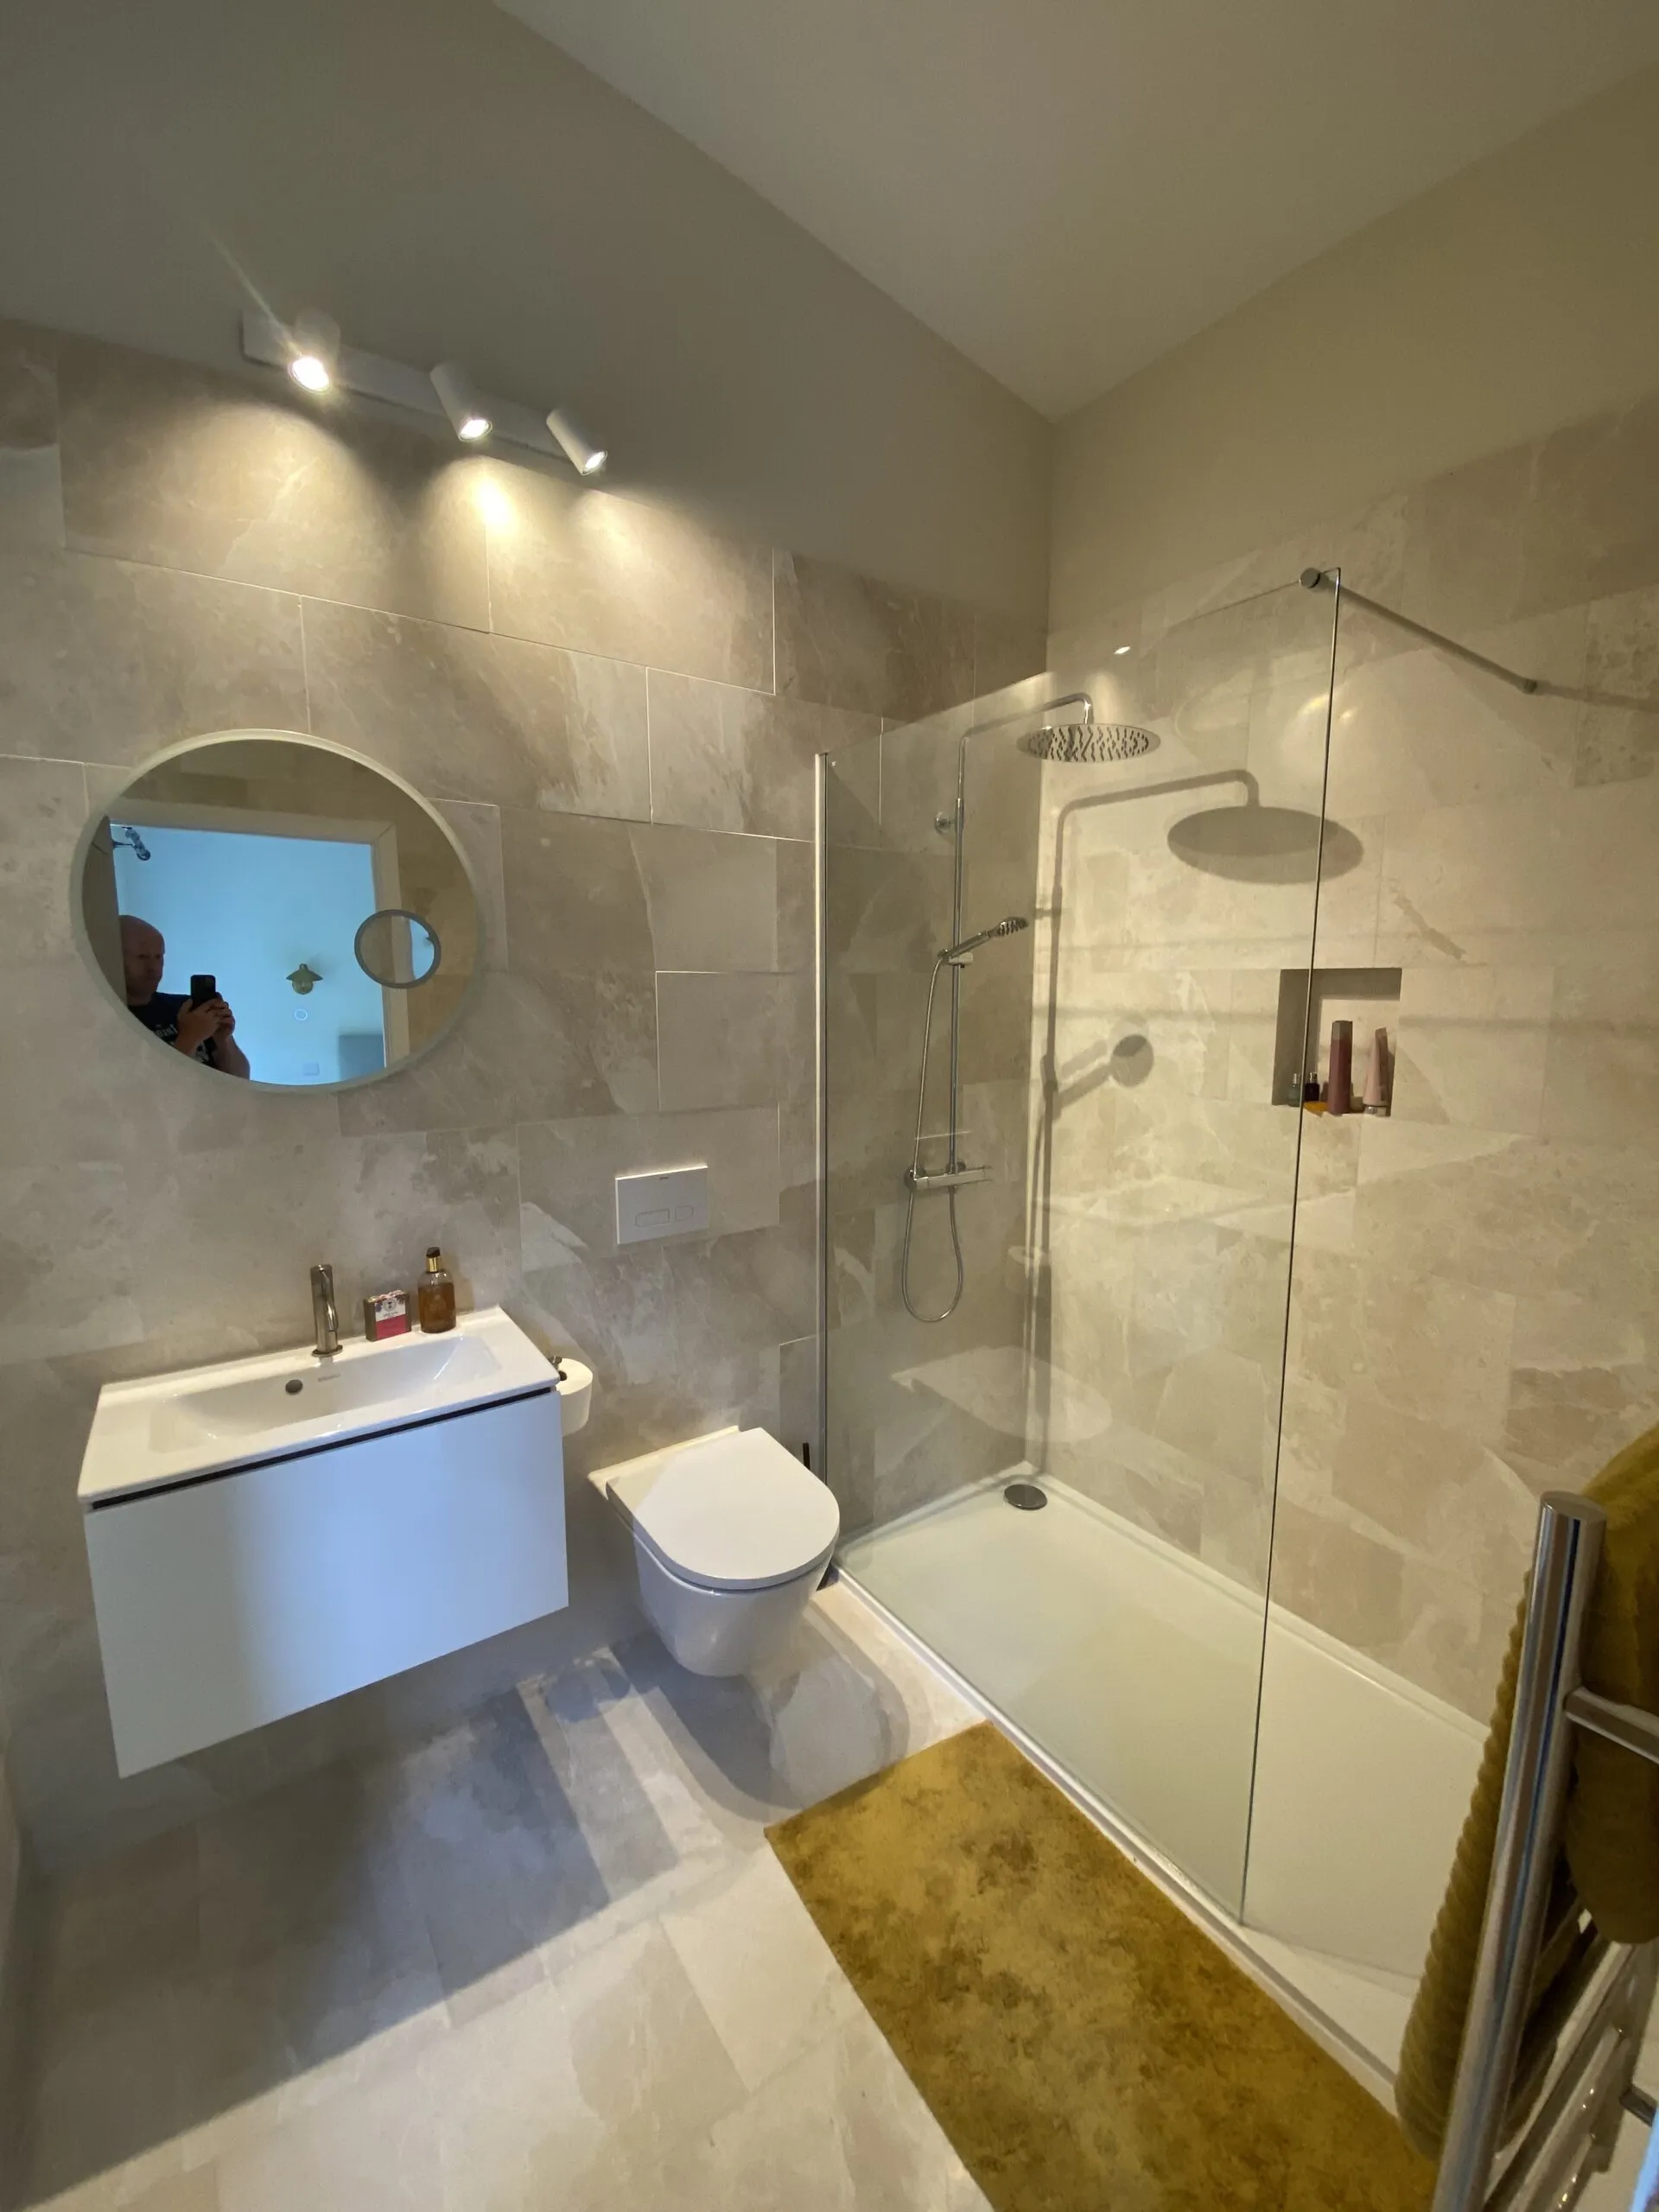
272 1533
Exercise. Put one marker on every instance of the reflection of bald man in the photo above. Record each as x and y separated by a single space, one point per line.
205 1032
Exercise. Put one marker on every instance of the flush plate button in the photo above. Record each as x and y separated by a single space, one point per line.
661 1202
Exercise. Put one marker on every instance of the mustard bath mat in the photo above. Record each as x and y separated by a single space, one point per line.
1085 2048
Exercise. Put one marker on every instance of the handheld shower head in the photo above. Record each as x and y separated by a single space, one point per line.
1010 927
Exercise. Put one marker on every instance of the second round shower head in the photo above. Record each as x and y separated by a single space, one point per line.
1083 743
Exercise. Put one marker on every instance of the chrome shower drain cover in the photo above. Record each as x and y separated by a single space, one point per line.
1026 1496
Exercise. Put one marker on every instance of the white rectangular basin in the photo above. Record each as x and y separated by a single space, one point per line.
168 1428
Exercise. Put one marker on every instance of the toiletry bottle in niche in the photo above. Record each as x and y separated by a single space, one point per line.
1376 1098
435 1296
1339 1097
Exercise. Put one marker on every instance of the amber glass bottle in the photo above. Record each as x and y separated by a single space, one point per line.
436 1297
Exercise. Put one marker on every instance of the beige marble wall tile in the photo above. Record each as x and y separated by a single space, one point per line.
795 864
1600 1082
1462 561
1589 528
187 469
571 565
717 902
525 1046
31 491
1221 1410
853 795
1093 903
1005 651
1454 1636
733 1040
1584 1383
66 1261
396 1194
885 911
1165 1499
266 1213
108 660
466 716
1472 1046
1421 729
587 897
724 758
1437 1348
567 1171
475 825
1437 1491
42 807
994 1039
846 641
683 1336
1497 885
1496 1212
918 784
575 899
1617 735
1347 1583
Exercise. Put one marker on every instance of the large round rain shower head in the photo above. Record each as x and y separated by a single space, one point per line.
1086 743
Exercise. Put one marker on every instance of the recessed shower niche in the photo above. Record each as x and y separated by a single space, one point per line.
1310 1000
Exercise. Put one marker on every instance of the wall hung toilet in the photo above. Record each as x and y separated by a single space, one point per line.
731 1536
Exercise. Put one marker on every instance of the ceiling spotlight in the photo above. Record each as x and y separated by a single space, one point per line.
586 460
461 400
312 349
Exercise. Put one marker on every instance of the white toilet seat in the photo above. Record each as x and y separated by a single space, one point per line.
731 1512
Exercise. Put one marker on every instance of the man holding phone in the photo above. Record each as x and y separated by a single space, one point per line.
201 1025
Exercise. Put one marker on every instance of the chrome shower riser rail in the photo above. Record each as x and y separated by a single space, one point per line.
1572 2128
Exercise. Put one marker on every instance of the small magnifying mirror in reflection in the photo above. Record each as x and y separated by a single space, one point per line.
398 948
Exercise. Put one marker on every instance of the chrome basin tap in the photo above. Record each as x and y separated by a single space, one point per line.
324 1316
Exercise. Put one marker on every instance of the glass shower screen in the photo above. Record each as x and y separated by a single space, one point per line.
1065 1487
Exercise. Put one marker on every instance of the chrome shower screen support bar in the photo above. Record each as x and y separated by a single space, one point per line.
1323 579
1570 2139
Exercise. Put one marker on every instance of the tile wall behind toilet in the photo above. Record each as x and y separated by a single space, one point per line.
1474 1309
616 707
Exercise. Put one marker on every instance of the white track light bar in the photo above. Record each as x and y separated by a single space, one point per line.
270 343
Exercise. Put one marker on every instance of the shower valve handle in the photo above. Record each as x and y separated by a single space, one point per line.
947 1178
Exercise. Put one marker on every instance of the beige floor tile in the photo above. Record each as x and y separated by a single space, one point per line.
142 2186
842 2130
559 2096
764 1976
375 2151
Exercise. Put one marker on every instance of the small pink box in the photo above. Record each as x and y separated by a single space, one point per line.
385 1313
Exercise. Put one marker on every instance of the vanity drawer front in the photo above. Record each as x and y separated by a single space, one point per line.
226 1603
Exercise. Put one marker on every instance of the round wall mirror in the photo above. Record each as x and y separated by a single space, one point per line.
279 911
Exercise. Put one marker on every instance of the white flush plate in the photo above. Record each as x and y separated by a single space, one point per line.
661 1202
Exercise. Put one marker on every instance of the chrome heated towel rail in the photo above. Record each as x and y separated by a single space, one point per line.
1601 2004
